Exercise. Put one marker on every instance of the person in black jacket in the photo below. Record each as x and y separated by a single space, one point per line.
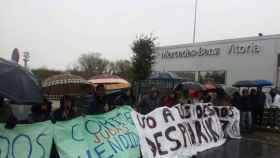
246 111
6 115
126 98
99 104
236 100
259 110
254 103
150 101
41 112
67 109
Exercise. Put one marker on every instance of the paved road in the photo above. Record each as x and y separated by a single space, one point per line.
248 147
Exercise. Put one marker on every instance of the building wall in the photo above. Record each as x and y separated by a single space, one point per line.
258 62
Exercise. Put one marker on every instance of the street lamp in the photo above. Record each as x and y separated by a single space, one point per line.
194 22
26 58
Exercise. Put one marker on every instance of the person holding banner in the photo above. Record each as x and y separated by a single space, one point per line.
195 96
150 101
66 110
170 100
221 98
40 113
6 115
99 103
206 98
5 111
126 98
184 97
236 100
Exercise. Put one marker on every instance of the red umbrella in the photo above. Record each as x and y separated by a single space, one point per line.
193 93
210 87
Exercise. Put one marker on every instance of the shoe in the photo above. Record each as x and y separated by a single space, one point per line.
277 128
267 126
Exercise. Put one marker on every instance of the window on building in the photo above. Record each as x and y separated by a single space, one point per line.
218 77
187 75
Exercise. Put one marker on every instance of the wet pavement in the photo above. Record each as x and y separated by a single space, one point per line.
251 146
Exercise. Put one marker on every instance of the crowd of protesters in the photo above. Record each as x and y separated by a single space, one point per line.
250 102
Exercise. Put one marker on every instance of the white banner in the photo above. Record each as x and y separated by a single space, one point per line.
178 132
230 119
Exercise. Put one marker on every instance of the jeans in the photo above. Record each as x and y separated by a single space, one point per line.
274 121
246 120
257 116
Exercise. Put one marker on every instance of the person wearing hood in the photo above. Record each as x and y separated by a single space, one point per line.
150 101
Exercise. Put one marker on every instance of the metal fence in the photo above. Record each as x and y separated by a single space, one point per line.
164 86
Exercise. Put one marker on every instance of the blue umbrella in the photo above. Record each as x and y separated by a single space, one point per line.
163 76
262 83
18 84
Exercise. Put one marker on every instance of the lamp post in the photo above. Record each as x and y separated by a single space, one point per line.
194 22
26 58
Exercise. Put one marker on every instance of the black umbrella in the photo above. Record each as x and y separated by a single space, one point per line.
189 86
245 83
18 84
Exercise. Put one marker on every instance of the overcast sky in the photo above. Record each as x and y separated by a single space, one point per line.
57 32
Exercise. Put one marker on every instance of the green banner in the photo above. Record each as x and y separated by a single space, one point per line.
110 135
26 141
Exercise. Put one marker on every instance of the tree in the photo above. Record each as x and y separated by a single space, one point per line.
143 56
123 68
92 64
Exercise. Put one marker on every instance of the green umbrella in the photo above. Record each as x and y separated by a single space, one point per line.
231 90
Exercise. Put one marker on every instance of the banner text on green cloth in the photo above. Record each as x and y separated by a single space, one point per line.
26 141
110 135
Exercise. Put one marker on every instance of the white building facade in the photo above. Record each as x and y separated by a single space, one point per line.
223 61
